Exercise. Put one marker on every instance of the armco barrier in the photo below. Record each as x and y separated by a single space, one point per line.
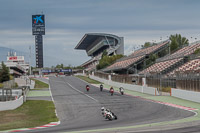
145 89
10 105
185 94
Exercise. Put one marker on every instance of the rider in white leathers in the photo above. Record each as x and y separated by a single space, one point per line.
105 112
121 90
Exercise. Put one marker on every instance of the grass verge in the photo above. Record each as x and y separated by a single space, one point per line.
89 80
39 84
30 114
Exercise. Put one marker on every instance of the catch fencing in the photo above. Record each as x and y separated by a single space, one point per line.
189 81
9 84
128 79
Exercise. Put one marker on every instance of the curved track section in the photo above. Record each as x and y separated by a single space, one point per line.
80 110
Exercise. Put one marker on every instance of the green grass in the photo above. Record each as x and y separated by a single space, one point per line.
30 114
87 79
39 84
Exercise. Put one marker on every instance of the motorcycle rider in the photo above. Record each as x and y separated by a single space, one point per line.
111 90
121 90
101 87
87 87
106 112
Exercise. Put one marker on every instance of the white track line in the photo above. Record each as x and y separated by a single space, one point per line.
52 98
82 93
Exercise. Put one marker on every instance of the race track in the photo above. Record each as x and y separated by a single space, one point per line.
80 110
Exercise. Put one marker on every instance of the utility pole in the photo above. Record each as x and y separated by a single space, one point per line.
30 60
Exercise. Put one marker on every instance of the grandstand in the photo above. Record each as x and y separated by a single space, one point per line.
192 66
131 63
95 43
177 60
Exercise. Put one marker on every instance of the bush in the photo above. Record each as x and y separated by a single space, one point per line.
1 85
16 85
166 89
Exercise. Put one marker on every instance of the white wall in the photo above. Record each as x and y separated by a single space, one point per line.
10 105
185 94
145 89
32 85
24 81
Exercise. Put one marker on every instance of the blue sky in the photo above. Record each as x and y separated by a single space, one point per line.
138 21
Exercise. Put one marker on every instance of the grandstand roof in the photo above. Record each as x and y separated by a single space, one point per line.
89 38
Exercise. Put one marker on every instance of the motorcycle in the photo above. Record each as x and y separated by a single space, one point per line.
111 116
101 87
111 91
87 87
108 114
121 90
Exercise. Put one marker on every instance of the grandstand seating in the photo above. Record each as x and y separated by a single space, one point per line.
161 66
188 50
124 63
149 50
192 65
138 55
168 61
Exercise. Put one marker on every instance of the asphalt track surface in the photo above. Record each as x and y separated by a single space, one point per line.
79 110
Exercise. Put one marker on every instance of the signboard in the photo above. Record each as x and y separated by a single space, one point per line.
38 25
15 58
46 71
66 70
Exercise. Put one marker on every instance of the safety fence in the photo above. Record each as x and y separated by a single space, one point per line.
120 78
9 84
14 93
189 81
160 82
102 75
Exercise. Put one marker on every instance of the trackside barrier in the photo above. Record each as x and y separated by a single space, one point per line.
10 105
142 89
185 94
32 84
25 81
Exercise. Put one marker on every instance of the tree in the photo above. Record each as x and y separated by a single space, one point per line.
177 41
197 51
4 73
60 66
107 60
147 44
105 53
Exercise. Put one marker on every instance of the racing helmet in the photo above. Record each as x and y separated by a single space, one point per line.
102 109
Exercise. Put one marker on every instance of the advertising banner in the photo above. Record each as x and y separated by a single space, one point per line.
38 24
